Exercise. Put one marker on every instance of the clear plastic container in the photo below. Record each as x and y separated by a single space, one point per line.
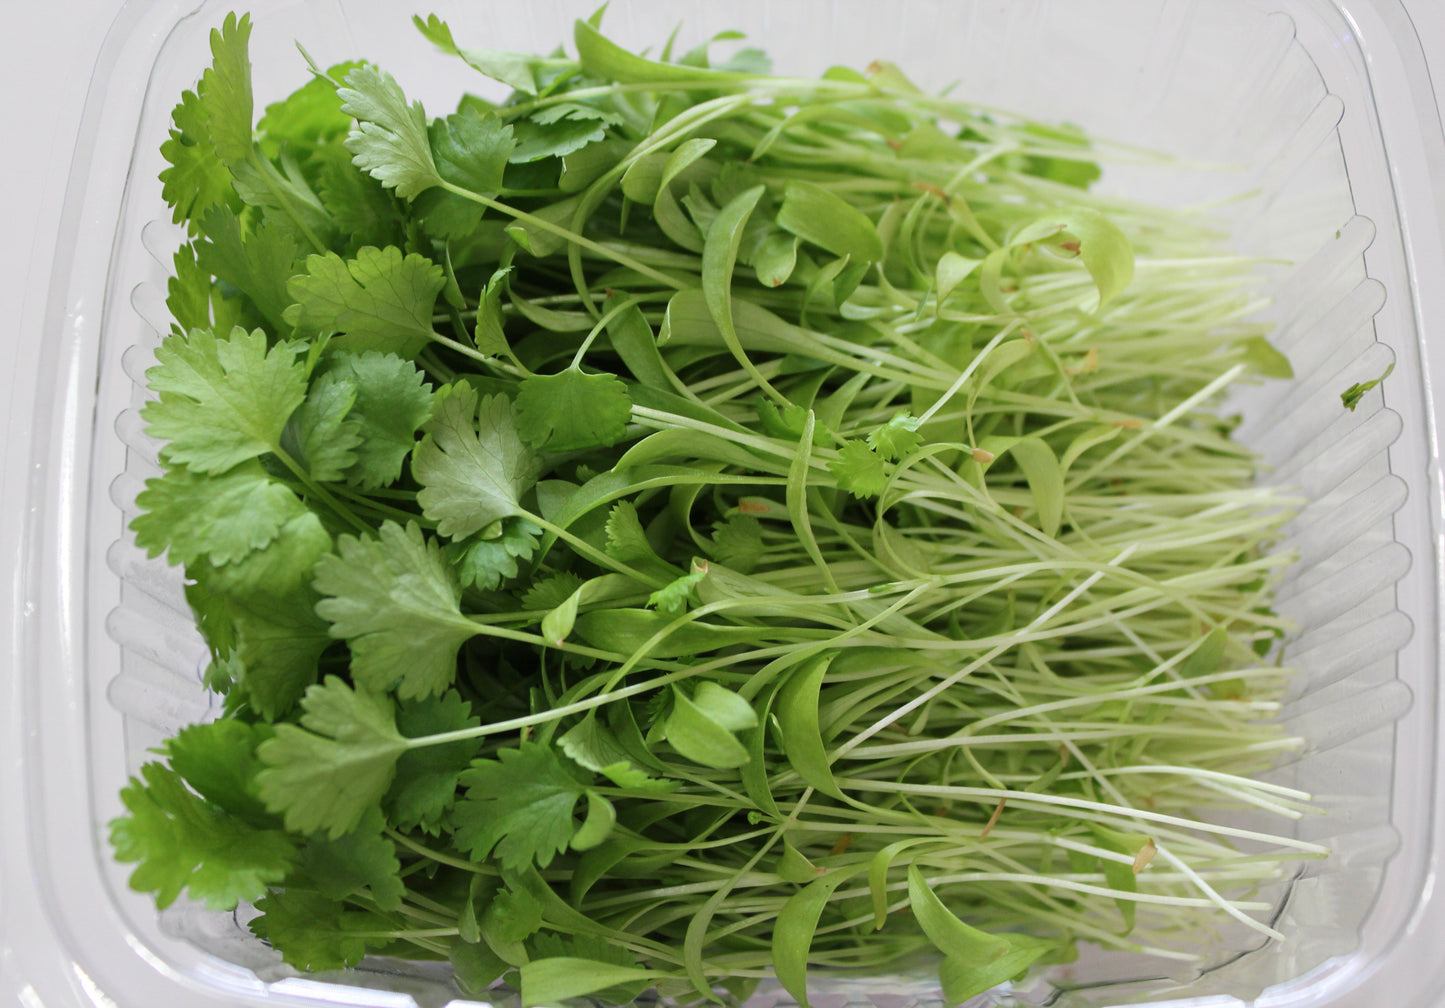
1318 110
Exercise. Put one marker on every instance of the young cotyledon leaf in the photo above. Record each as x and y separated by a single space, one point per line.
657 525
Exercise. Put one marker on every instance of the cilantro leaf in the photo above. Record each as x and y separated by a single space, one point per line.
390 140
182 841
308 118
392 401
488 334
362 859
572 410
320 434
425 786
397 604
472 465
195 179
282 567
738 543
188 292
378 300
626 538
225 89
897 438
222 518
279 641
518 805
859 469
551 591
313 932
324 775
484 563
558 130
285 198
222 401
218 760
471 151
677 596
361 208
257 263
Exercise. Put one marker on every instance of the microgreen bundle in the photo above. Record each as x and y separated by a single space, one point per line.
682 525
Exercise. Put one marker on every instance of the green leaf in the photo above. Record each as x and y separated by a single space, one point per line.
476 967
184 842
775 258
222 401
426 781
859 469
1264 359
724 707
1036 460
557 624
390 141
320 434
488 334
314 933
550 591
626 538
1120 876
472 150
519 806
472 464
391 404
793 932
194 179
380 300
548 981
286 200
225 90
974 961
571 410
218 760
256 263
897 438
825 219
601 57
1351 396
516 70
797 713
325 775
396 602
738 543
222 518
1098 242
485 563
626 630
363 860
697 729
952 270
678 595
595 828
306 118
594 747
558 130
279 641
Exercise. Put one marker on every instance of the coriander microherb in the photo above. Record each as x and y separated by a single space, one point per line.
683 524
